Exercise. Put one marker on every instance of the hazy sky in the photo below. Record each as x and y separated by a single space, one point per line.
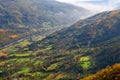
94 5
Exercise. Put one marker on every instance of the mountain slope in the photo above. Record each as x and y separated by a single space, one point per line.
94 40
95 29
69 54
22 18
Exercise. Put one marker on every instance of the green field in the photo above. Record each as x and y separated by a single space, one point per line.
85 62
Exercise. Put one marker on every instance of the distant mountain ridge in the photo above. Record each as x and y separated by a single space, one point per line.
23 17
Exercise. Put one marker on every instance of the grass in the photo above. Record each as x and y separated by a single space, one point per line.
25 70
24 43
2 63
0 71
53 66
10 61
49 47
85 62
15 61
11 49
38 38
22 55
38 62
86 58
39 75
1 78
20 60
14 48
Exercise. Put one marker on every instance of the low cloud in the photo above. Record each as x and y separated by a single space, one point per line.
94 5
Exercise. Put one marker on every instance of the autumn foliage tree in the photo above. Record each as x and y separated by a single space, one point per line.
109 73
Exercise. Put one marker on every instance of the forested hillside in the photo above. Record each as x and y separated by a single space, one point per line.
92 43
69 54
22 18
